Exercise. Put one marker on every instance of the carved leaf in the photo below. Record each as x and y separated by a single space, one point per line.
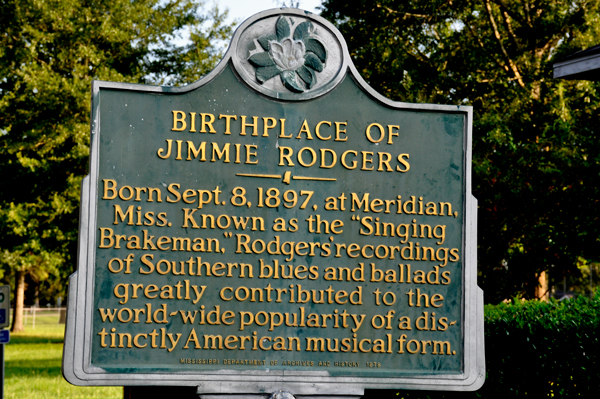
288 78
264 41
307 75
312 61
302 31
265 73
282 28
315 46
261 60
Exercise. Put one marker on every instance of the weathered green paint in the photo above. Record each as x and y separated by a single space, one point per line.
134 125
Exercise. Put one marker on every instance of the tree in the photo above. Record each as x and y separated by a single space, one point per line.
536 157
50 51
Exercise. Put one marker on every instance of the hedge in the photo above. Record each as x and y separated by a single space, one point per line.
534 349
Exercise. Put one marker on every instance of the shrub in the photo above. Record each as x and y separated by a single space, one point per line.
543 349
535 350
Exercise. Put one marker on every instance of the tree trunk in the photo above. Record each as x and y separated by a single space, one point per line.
541 291
17 325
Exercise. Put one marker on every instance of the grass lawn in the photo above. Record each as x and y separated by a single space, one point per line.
33 366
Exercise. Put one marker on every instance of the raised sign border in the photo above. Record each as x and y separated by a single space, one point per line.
76 356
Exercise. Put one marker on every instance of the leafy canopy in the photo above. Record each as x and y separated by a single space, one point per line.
536 157
50 51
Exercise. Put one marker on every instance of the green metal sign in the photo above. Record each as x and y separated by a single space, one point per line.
273 223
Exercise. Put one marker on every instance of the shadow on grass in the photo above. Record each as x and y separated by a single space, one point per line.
36 339
33 368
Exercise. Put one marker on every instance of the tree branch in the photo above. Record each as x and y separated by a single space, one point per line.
516 16
482 46
406 15
508 24
528 14
511 63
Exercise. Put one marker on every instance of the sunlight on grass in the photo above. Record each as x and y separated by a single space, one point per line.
33 366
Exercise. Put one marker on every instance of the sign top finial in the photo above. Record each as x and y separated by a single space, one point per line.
289 54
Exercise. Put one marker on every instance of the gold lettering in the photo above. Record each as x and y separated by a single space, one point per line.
195 152
312 153
228 119
386 162
209 123
250 154
339 131
179 117
267 126
381 133
333 158
168 151
318 134
285 153
304 129
254 125
219 154
113 189
343 160
366 160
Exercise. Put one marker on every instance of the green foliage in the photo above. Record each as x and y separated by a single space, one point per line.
179 65
50 51
535 350
543 349
536 153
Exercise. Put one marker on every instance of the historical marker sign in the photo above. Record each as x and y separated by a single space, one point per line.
277 224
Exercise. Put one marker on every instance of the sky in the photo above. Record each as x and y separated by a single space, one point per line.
243 9
240 10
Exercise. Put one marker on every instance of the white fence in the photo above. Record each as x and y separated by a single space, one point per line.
43 316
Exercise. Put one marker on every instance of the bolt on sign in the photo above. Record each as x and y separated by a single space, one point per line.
276 224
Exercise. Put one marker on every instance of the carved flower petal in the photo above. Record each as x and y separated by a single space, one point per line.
277 54
299 49
287 46
295 59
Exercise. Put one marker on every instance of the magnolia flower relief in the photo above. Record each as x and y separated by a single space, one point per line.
290 56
